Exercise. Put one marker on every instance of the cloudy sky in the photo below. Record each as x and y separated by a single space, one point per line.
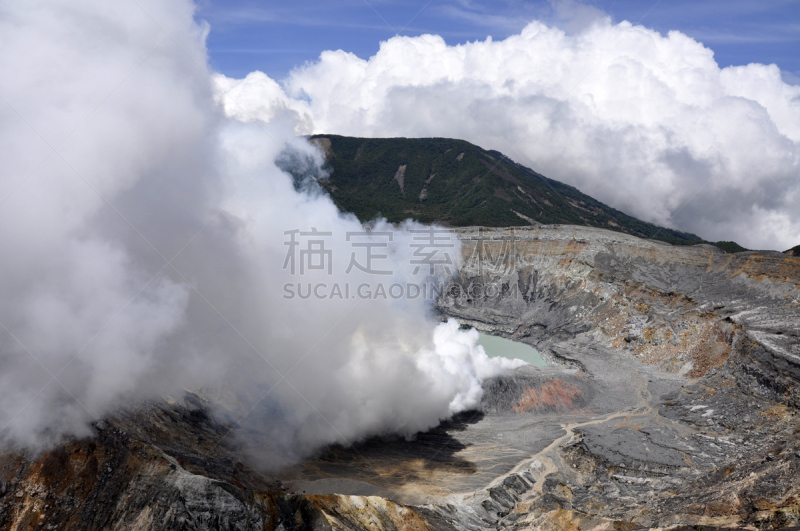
274 38
681 113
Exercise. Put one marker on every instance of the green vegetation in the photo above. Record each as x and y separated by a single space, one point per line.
794 251
730 247
456 183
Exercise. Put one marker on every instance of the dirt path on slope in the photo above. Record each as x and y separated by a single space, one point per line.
548 460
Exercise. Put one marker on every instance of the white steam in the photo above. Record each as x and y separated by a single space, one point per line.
645 122
144 245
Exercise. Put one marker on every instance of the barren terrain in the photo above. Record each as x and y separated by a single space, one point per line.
670 400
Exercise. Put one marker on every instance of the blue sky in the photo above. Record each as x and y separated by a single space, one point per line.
275 37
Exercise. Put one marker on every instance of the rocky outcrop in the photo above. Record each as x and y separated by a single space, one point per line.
164 468
684 309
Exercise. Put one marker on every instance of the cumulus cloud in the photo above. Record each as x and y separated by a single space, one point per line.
645 122
145 249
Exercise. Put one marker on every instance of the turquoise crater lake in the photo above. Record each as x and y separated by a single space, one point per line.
505 348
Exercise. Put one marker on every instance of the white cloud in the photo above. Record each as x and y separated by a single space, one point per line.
645 122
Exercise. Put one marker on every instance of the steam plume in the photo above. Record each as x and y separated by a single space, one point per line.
144 239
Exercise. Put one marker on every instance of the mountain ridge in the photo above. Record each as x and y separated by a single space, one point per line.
455 183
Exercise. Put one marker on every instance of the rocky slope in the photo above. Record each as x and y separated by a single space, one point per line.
671 401
721 448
